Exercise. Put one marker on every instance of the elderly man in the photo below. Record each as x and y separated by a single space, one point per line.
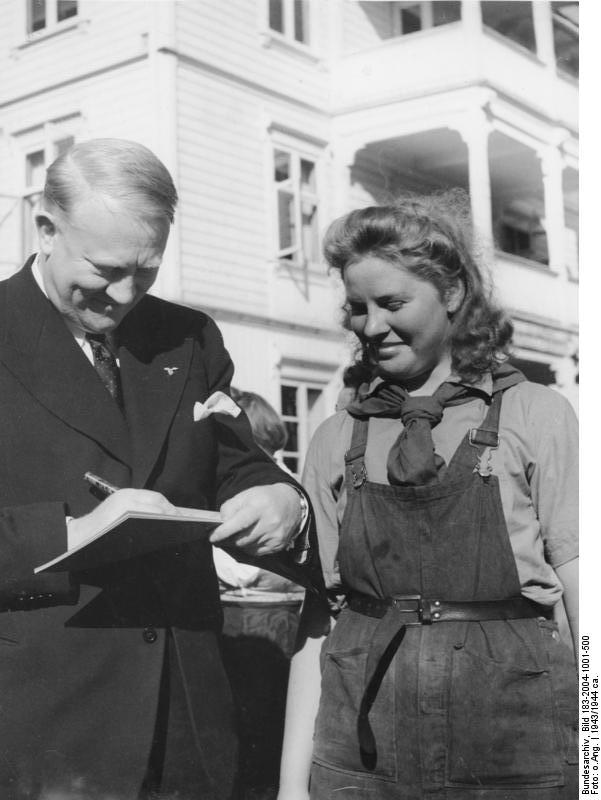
111 682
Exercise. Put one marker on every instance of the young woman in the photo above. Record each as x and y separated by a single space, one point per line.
446 509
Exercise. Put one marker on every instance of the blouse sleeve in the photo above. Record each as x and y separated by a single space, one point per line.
554 473
323 480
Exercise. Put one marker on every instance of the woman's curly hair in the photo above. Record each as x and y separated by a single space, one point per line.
432 237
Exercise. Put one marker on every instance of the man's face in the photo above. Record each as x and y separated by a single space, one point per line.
99 261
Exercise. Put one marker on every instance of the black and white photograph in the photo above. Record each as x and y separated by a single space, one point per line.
289 400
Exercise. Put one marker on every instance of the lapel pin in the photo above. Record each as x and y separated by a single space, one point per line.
170 370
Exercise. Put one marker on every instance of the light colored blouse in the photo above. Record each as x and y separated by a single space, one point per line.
536 463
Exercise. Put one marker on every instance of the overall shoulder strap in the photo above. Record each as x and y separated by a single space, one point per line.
469 454
354 458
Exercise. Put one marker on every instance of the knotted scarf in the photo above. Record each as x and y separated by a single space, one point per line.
412 460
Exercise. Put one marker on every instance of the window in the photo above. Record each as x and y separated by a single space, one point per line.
572 257
35 175
522 234
512 19
290 18
445 11
415 17
565 36
303 409
411 19
44 14
295 178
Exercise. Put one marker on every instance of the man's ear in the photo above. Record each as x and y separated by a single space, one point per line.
455 297
46 225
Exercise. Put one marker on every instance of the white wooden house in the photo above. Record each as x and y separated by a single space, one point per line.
274 117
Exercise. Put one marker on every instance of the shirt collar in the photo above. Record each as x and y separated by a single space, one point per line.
483 385
78 333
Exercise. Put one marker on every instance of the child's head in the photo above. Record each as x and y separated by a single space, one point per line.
268 429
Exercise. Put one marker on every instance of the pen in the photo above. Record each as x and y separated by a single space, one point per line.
99 483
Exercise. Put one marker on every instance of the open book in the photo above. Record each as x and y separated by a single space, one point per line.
134 534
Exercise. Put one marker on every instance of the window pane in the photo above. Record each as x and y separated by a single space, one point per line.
444 11
282 165
292 431
36 15
63 145
276 15
292 463
565 37
286 222
66 9
571 245
29 232
308 174
316 409
310 233
301 27
35 168
512 19
411 19
289 407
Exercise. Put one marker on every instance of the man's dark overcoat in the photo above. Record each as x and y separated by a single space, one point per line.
81 655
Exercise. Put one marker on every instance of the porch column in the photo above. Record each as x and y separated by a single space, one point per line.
554 221
471 16
543 31
475 133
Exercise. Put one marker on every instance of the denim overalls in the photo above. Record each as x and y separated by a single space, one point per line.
468 708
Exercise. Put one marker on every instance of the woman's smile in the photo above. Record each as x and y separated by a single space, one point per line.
401 319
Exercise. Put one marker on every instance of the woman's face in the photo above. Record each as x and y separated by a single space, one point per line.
400 319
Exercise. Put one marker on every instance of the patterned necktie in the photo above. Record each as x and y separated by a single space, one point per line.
105 365
412 460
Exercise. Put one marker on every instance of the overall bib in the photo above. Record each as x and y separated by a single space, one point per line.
439 680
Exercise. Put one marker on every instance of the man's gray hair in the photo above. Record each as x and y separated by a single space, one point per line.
118 168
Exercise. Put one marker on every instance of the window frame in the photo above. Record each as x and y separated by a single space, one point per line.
558 20
304 429
288 34
512 40
295 254
426 13
44 138
52 23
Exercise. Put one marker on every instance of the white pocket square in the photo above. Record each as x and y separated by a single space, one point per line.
217 403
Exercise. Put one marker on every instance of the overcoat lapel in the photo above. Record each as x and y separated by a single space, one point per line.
40 351
153 377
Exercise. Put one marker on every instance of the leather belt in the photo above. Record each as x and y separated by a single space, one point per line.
400 612
417 610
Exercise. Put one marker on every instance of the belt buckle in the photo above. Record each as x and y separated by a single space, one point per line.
427 610
397 599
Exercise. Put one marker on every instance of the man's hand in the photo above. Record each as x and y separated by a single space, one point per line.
81 528
260 520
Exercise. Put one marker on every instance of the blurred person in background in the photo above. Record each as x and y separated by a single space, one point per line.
446 508
260 622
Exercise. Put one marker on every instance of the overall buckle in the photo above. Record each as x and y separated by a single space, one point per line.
489 440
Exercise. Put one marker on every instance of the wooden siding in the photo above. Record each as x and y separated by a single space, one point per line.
117 103
101 35
228 36
225 190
